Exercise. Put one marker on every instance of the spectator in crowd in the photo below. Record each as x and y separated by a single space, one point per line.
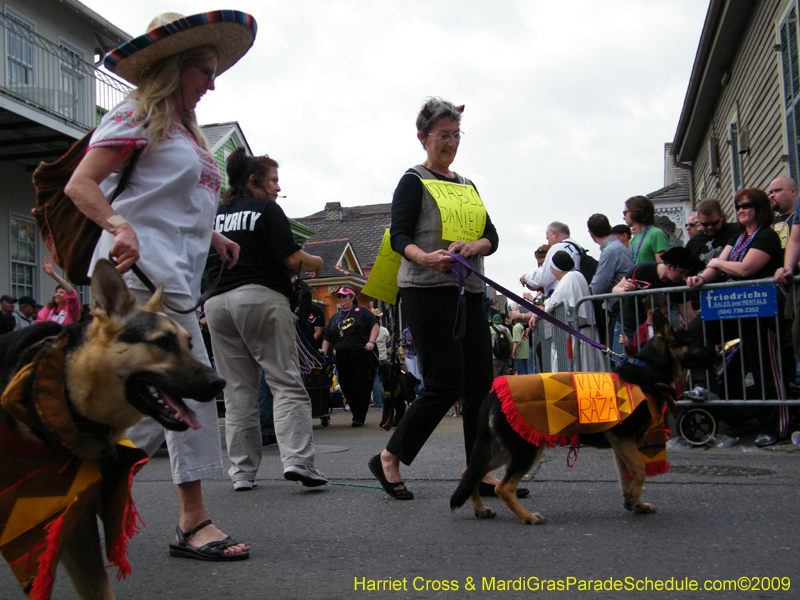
572 288
645 332
411 356
678 263
381 346
557 235
787 270
692 225
25 313
64 308
615 262
540 254
7 305
519 336
754 253
499 365
623 233
648 242
715 231
783 197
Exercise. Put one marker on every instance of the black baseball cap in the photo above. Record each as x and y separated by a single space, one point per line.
28 300
682 258
7 298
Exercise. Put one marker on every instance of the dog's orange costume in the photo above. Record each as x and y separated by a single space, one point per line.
554 408
44 489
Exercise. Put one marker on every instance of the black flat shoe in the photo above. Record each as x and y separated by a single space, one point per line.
390 487
487 490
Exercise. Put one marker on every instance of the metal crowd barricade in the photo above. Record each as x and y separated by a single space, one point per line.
549 340
728 372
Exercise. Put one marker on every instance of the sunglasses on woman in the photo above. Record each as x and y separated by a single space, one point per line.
340 296
744 206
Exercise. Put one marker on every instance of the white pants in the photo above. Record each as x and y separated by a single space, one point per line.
253 329
193 455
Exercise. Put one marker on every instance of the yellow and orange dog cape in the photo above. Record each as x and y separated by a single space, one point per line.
45 489
555 408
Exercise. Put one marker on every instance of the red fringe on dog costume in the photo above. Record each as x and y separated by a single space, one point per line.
46 489
555 408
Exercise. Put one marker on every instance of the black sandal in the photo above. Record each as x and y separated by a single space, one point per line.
211 551
388 486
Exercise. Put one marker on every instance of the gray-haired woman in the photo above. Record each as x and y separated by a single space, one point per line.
451 368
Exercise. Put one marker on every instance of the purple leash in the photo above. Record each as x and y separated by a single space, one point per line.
463 269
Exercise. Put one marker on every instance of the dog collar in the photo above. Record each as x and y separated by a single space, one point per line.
638 363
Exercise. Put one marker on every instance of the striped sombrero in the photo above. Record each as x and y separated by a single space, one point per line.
231 32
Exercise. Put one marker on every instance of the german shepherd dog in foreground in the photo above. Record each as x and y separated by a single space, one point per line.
124 363
397 392
659 362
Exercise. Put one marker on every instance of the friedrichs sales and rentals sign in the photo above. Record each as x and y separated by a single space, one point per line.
739 303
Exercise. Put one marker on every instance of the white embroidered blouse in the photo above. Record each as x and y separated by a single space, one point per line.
170 201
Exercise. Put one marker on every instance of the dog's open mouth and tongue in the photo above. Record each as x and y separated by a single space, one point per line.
164 406
175 407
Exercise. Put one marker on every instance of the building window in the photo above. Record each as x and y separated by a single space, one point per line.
72 101
22 239
791 88
736 158
20 50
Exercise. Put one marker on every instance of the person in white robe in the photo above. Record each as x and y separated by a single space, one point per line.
572 287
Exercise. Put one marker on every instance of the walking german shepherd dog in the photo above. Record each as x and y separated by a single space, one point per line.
657 365
126 362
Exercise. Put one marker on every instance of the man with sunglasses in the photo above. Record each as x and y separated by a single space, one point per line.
714 234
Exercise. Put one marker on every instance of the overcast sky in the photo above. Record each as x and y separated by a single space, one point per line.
568 104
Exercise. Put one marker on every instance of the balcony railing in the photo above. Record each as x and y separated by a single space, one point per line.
54 77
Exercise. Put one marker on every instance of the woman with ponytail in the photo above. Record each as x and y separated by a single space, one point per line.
252 326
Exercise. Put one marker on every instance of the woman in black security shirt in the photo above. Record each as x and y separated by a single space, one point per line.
352 333
451 368
253 329
753 253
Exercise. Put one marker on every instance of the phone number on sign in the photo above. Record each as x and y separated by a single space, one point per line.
739 311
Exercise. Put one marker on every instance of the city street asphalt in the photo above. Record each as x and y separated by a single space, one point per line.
727 517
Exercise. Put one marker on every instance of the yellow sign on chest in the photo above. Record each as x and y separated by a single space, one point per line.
463 213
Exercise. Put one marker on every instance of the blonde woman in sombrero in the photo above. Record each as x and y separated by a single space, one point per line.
163 220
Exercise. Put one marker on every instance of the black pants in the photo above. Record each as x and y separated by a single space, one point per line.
452 369
355 378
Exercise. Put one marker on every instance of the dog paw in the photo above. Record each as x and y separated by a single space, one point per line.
486 513
534 519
